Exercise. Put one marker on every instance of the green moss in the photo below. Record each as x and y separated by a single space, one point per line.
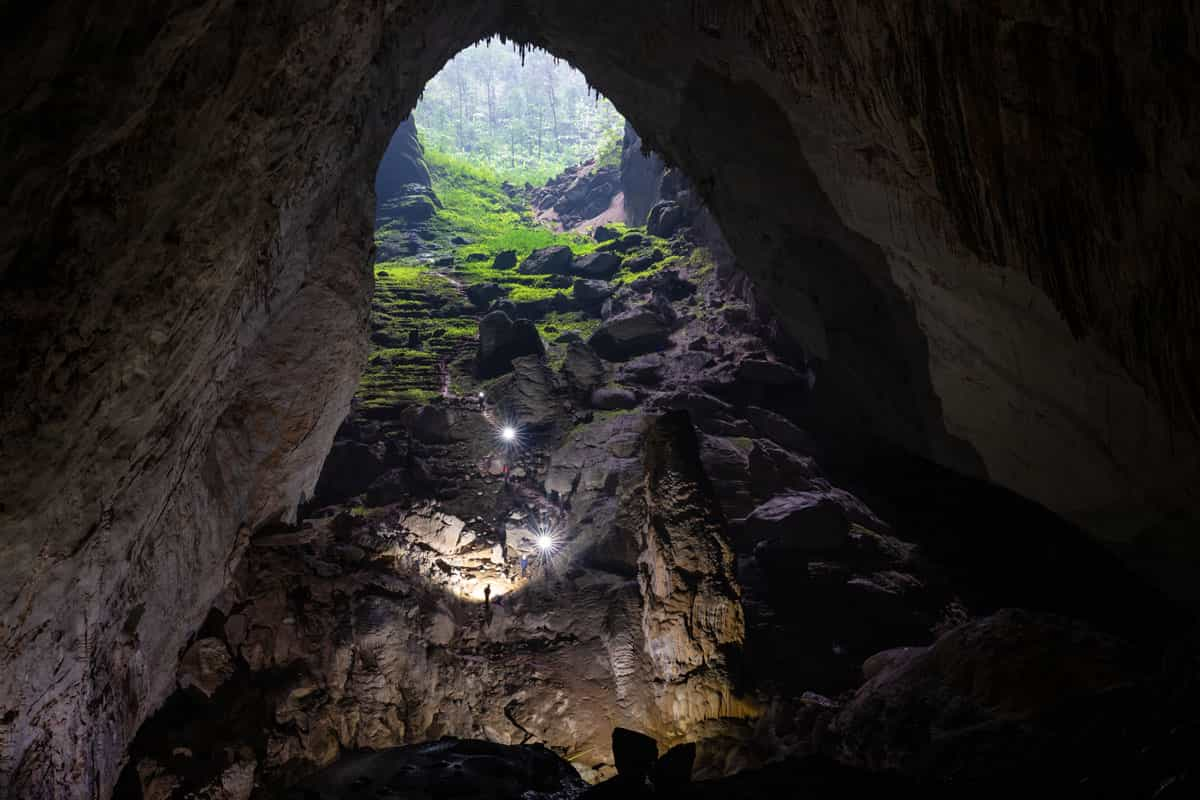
475 206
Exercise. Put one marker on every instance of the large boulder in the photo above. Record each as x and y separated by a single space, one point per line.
501 340
630 334
591 292
667 282
799 521
482 294
529 398
411 208
635 753
626 244
770 373
613 398
597 265
665 218
505 259
643 261
780 429
582 369
556 259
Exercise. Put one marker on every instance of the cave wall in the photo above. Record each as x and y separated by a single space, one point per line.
977 220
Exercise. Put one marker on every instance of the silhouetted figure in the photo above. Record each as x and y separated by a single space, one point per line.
487 604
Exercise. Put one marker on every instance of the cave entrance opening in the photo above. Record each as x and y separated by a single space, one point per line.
508 151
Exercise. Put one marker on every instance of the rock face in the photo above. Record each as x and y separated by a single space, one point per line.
964 215
403 164
641 177
692 618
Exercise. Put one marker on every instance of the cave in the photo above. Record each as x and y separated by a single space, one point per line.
926 521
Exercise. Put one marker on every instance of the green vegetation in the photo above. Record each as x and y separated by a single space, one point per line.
424 330
477 208
412 296
527 117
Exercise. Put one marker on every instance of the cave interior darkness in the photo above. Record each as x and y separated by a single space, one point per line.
913 508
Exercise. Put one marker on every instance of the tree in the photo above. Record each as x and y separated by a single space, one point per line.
525 122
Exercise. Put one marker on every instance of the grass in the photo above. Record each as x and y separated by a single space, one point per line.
476 207
410 296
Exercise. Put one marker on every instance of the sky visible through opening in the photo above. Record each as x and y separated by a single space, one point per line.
524 122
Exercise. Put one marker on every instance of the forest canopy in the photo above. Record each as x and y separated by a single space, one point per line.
527 115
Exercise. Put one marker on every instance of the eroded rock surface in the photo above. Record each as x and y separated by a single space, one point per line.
965 215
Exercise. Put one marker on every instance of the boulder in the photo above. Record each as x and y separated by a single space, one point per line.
674 769
643 261
604 234
411 209
582 368
665 218
568 336
799 521
482 294
646 370
597 265
506 259
770 373
529 397
205 666
666 282
501 340
780 430
556 259
617 304
591 292
634 753
613 398
475 258
630 334
626 244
